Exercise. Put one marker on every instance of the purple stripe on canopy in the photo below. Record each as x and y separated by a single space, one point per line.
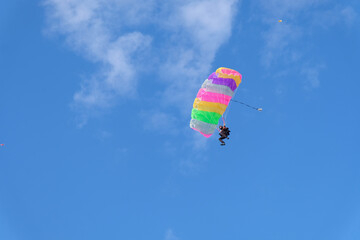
223 81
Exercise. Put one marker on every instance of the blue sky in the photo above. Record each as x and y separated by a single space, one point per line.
95 102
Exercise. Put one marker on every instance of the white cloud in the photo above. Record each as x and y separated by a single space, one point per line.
104 135
174 41
160 122
199 141
192 165
348 15
199 29
342 15
170 235
300 18
287 43
277 41
208 22
287 8
188 67
280 37
116 36
87 28
311 76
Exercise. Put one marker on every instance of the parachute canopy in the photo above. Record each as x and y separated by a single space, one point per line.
212 100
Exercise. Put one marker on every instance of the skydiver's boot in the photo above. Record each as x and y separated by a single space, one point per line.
222 144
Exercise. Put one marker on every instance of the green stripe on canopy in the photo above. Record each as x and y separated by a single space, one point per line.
209 117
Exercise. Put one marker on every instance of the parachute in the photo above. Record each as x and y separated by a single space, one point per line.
212 100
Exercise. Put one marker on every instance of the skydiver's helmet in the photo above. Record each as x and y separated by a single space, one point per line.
221 127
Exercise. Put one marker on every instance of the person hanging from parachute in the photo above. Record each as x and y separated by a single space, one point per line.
224 132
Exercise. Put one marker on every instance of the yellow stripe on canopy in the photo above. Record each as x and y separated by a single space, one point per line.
209 106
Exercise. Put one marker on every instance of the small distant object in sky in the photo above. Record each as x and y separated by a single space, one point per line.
2 144
280 20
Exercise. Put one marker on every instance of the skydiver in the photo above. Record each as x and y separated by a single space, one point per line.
224 132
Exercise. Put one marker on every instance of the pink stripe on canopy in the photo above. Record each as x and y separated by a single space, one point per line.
203 95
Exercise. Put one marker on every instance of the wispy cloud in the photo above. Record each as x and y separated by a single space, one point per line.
300 18
311 76
111 34
199 29
192 165
277 44
104 135
287 8
169 235
88 29
280 37
287 43
160 122
342 15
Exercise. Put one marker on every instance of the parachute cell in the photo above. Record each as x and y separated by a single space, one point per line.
212 100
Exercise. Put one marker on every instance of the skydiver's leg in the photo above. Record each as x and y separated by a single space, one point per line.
221 140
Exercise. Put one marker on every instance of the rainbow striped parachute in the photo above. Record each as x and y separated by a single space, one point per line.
212 100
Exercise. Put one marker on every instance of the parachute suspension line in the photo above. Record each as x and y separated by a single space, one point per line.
228 108
258 109
224 116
